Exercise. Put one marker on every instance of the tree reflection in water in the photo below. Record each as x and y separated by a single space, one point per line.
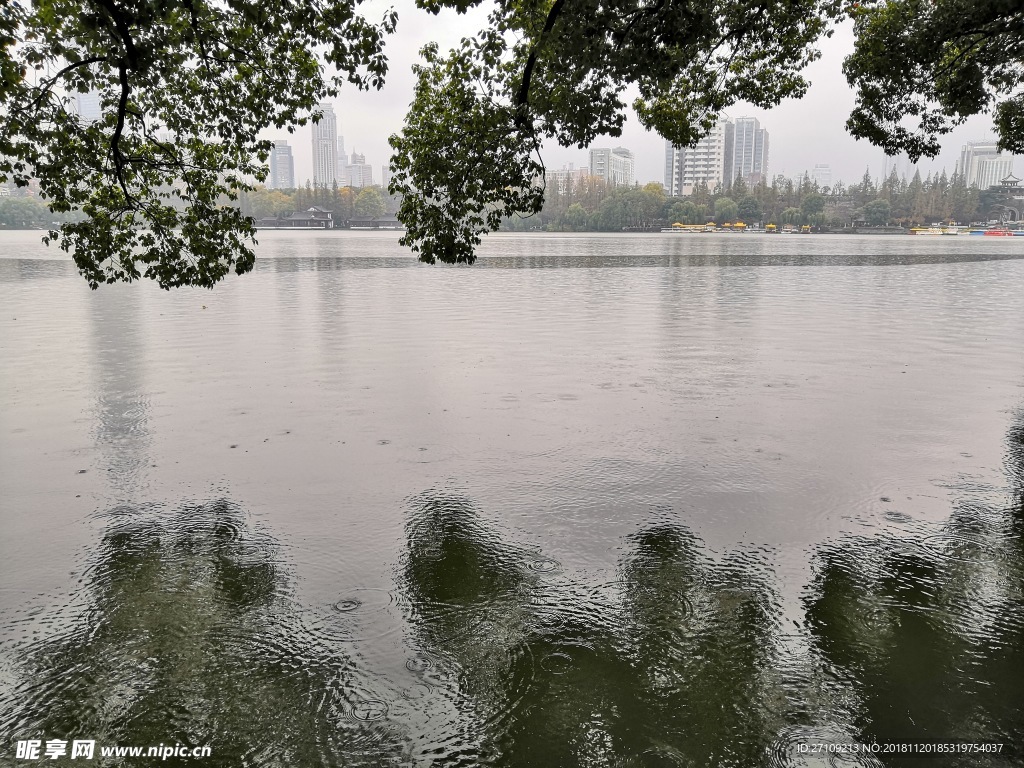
190 637
929 633
669 665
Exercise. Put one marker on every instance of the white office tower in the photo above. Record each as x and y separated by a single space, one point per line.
708 162
615 166
88 105
822 175
750 152
282 166
983 165
325 148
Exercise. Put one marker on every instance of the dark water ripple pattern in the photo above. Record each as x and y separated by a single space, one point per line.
598 501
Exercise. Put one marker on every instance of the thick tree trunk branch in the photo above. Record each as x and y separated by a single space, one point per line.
123 30
115 139
523 94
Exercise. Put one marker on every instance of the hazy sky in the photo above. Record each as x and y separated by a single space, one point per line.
802 132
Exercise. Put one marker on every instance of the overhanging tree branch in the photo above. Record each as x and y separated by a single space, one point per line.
523 94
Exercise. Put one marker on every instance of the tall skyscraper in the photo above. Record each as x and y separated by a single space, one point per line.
750 152
983 165
282 166
708 162
325 147
615 166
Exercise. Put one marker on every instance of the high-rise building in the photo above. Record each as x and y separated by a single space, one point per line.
982 164
708 162
822 175
673 169
282 166
358 173
749 152
992 170
615 166
88 105
325 147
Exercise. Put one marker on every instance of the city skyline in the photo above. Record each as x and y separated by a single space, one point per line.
739 147
804 132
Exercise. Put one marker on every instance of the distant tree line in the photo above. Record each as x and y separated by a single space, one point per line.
590 204
22 210
344 202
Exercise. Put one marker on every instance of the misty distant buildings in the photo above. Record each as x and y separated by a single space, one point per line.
325 148
822 175
731 150
357 172
565 178
982 164
749 152
282 166
615 166
330 163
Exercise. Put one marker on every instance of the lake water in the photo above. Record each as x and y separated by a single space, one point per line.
646 500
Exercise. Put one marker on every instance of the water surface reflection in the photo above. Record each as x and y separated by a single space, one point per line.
554 510
668 664
923 635
186 633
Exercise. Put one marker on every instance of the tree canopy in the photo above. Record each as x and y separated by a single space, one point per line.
185 87
921 67
469 154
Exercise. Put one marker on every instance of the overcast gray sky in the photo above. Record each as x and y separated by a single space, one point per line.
803 132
